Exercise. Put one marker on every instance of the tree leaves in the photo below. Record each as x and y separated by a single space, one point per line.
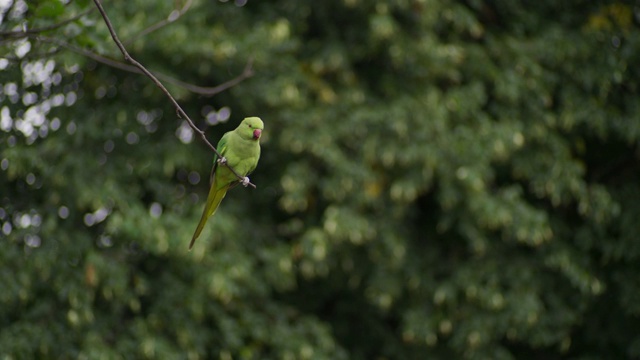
50 9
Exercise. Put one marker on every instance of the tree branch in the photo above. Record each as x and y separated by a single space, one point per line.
155 80
202 90
28 32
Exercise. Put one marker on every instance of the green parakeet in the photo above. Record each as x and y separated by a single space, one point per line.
240 149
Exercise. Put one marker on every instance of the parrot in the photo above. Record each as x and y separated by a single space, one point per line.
240 150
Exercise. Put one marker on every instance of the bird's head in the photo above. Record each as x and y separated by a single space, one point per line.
251 128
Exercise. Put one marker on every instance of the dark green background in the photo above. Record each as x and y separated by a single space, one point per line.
439 180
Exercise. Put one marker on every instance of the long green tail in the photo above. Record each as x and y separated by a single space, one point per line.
213 201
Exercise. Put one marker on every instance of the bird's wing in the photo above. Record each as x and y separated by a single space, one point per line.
222 149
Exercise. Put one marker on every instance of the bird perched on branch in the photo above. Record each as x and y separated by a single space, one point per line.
240 151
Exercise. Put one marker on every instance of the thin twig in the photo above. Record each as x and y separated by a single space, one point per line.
91 55
155 80
246 73
202 90
173 16
33 55
27 32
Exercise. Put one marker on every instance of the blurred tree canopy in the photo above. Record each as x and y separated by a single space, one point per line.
439 180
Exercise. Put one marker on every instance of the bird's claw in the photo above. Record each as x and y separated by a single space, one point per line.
222 161
245 181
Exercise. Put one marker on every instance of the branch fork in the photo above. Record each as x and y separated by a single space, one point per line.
181 114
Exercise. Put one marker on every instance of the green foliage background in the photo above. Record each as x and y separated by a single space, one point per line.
439 179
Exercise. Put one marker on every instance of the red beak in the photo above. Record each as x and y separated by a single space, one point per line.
256 134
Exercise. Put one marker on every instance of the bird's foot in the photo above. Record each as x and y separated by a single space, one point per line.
245 181
222 161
